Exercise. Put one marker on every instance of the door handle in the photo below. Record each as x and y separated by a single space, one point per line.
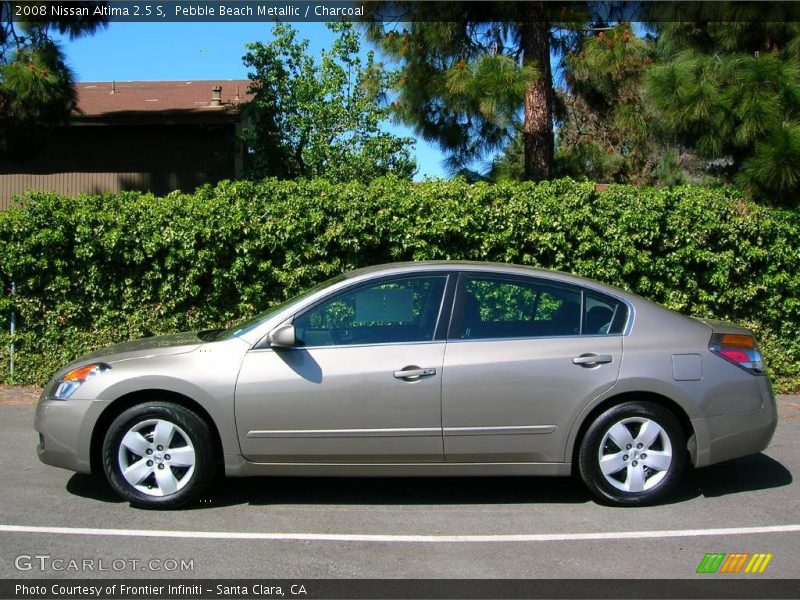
412 373
589 360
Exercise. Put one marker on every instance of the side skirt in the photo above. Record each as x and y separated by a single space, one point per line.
236 466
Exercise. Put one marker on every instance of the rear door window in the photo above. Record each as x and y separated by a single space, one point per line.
499 307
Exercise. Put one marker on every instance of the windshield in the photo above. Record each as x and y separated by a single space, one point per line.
253 322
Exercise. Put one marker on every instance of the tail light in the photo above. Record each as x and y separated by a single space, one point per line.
739 349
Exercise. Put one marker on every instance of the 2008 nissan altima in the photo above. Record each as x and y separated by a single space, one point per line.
436 368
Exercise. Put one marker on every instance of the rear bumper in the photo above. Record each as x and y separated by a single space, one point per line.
725 437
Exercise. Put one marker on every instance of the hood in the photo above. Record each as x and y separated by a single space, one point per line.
160 345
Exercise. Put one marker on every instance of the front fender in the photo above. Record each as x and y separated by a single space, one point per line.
206 377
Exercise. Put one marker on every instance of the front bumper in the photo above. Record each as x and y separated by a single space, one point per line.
65 432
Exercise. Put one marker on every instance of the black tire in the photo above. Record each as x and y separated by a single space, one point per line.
189 481
655 483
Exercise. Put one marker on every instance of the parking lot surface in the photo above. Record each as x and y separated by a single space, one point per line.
393 528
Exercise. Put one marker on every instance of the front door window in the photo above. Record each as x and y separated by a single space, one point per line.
388 312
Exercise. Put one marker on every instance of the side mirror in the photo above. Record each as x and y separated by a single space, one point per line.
283 336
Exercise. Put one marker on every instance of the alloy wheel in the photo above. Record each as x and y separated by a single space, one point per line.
157 457
635 454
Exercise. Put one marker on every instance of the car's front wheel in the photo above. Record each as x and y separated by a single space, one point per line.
159 455
633 454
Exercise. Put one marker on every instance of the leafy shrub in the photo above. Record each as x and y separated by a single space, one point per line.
98 269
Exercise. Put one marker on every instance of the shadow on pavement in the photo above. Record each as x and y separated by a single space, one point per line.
746 474
750 473
399 491
92 486
365 490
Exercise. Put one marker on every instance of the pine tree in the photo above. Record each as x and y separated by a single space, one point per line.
603 126
730 92
36 85
605 132
469 71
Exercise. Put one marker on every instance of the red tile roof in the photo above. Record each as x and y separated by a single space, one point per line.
104 97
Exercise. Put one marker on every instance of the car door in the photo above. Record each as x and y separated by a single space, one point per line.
362 385
522 359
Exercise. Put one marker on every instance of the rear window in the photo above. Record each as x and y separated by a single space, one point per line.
603 315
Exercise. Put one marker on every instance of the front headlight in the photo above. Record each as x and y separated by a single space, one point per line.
71 381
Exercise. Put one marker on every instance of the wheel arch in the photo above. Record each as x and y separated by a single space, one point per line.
126 401
630 396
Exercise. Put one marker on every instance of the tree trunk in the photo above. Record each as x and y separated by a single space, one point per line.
537 131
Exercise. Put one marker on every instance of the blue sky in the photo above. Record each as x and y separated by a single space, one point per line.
192 51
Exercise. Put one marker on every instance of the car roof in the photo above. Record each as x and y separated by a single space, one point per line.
489 267
366 274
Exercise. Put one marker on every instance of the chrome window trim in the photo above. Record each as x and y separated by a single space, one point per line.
538 337
454 272
578 287
263 342
299 348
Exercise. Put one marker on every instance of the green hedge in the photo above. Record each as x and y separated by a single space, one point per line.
98 269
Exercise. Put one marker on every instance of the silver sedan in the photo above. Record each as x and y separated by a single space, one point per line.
436 368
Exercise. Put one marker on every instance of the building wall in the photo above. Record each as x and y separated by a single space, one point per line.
91 159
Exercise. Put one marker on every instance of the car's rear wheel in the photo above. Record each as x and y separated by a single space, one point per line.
633 454
159 455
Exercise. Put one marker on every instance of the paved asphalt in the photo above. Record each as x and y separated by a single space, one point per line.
756 491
